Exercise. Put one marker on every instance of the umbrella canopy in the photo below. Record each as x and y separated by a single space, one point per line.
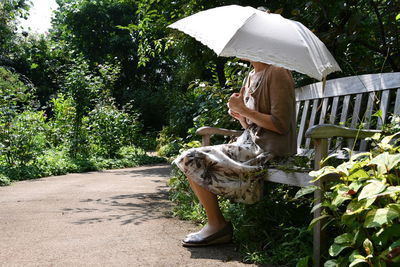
248 33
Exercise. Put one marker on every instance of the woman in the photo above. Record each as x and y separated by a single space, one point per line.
265 107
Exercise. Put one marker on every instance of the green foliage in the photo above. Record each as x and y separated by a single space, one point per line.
24 139
60 124
111 129
58 162
10 10
4 180
364 207
22 132
204 104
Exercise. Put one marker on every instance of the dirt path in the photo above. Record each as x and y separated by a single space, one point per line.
110 218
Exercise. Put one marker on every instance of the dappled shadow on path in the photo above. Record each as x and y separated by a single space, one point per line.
133 208
155 171
150 206
224 253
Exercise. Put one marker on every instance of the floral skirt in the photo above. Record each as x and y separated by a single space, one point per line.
233 170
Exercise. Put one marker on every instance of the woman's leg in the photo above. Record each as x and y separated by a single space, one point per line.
216 220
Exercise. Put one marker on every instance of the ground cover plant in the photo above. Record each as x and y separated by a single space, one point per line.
362 209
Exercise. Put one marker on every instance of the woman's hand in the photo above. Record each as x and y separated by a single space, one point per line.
236 102
236 115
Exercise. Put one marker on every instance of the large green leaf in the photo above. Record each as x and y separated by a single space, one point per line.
322 172
305 190
378 217
356 261
356 206
355 185
385 162
385 142
331 263
360 173
342 194
373 188
355 255
359 155
315 220
346 238
390 190
335 249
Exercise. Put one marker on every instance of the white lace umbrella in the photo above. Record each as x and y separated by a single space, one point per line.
248 33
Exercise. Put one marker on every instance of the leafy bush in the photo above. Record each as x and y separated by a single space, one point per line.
4 180
364 207
24 139
60 124
204 104
111 129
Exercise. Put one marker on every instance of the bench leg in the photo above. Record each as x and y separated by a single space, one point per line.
319 236
205 140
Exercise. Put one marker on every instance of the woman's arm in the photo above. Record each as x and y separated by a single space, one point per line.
236 104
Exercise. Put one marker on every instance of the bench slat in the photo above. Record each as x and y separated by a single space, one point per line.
334 110
343 117
367 117
303 122
356 112
383 107
397 103
323 110
291 178
332 117
355 118
312 119
350 85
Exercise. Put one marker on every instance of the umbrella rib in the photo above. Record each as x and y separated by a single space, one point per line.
233 35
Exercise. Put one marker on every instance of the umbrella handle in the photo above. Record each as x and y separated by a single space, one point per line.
323 84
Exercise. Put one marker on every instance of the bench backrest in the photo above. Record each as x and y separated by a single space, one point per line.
349 102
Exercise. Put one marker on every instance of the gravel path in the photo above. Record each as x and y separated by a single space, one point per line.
109 218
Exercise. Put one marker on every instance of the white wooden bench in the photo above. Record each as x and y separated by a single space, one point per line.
327 121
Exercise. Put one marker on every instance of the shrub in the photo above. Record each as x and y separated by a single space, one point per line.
111 129
24 138
204 104
363 209
61 122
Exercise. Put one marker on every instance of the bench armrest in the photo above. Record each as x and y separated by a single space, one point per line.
329 130
221 131
206 132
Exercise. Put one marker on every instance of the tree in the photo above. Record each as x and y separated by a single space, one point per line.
9 12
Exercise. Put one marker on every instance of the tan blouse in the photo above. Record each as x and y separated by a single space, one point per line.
274 95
